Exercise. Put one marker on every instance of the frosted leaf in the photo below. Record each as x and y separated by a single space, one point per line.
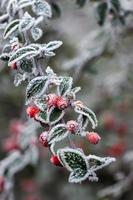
85 111
22 53
55 115
26 22
12 7
11 28
41 7
57 133
42 116
36 33
76 162
35 87
65 85
24 3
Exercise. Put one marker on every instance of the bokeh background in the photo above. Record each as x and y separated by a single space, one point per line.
101 62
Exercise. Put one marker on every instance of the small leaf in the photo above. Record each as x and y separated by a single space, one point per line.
65 85
26 65
11 28
22 53
85 111
42 116
55 115
36 87
11 8
101 11
76 162
57 133
41 104
41 7
36 33
78 175
53 45
72 159
26 22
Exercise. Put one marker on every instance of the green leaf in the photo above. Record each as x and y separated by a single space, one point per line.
35 87
41 104
22 53
26 65
101 11
55 115
41 7
78 175
11 28
57 133
42 116
85 111
65 85
36 33
76 162
116 5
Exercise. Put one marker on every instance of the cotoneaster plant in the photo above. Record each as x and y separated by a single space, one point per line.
48 98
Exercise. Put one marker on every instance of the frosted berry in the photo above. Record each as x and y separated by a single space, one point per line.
2 183
72 126
32 111
43 139
55 160
62 103
13 66
52 100
93 137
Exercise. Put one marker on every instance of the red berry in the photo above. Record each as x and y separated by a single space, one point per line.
13 65
55 160
32 111
43 139
62 103
15 126
116 149
93 137
122 129
109 121
2 183
72 126
52 100
10 145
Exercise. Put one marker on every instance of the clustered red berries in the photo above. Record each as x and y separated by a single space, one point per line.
93 137
32 111
55 160
43 139
57 101
72 126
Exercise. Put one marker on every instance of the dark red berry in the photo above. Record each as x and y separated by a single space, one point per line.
93 137
72 126
62 103
32 111
55 160
43 139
